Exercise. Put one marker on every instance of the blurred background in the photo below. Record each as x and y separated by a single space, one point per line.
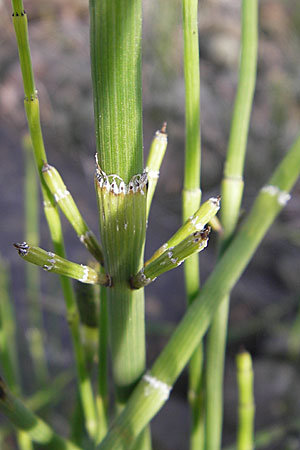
265 317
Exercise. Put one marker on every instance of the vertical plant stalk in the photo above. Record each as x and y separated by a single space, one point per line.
153 390
102 400
191 202
116 32
33 117
245 436
35 331
232 191
8 347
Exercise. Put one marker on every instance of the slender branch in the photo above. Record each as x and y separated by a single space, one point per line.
66 203
51 262
232 191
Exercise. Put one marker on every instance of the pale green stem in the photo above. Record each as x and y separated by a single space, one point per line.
156 155
245 436
232 191
191 199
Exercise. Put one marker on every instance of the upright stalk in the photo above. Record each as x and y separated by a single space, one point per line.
8 347
232 191
191 201
35 331
31 103
245 435
121 186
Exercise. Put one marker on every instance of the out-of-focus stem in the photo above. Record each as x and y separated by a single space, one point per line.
245 436
35 332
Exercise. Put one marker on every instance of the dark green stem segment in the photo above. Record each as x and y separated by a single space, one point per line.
25 420
153 390
122 212
116 31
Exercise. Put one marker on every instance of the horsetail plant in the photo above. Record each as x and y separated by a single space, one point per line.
124 193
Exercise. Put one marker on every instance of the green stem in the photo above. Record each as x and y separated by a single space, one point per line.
102 392
8 348
33 117
191 201
232 191
26 421
116 32
153 390
35 331
245 436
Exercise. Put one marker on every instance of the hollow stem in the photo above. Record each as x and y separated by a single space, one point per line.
232 191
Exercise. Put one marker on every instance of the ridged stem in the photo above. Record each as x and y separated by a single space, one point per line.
191 199
116 32
153 390
232 191
31 104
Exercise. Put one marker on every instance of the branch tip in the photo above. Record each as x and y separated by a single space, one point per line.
164 128
22 248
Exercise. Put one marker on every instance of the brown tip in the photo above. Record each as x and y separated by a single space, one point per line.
45 167
164 128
